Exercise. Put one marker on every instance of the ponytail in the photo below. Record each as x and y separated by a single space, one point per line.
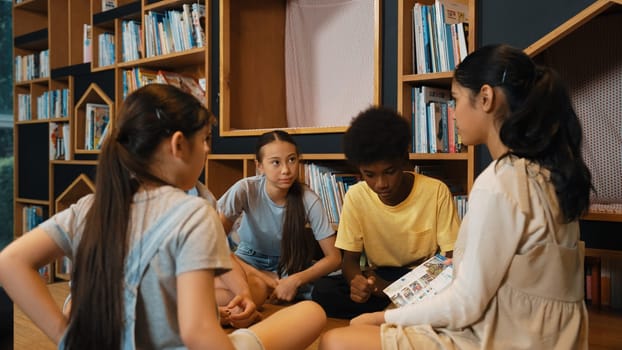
297 243
541 124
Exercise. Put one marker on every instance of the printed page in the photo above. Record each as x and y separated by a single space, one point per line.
425 280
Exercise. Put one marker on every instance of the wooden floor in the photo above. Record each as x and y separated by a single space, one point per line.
605 327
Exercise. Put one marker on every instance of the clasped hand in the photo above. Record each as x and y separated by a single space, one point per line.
362 288
241 312
285 290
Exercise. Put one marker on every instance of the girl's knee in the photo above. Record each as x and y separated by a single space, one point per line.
313 312
329 340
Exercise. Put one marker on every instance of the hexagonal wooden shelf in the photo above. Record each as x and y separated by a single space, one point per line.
80 187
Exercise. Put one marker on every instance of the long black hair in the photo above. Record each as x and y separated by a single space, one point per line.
541 124
297 243
147 117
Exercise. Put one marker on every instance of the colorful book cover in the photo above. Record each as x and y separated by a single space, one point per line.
422 282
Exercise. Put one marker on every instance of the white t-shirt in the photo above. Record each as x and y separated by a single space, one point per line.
262 223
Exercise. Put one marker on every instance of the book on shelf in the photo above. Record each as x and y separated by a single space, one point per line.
87 47
439 36
331 185
59 141
432 120
422 282
131 40
185 82
108 4
198 22
106 52
97 120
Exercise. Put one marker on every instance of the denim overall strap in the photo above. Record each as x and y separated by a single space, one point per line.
136 264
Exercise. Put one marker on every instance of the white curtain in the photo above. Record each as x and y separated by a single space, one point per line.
329 61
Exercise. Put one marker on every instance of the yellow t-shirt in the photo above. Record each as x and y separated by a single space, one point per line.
399 235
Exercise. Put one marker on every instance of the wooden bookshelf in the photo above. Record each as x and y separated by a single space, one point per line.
58 26
457 163
240 71
93 94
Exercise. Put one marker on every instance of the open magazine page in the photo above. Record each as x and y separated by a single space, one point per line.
423 281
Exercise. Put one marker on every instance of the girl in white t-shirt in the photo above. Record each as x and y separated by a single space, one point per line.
274 243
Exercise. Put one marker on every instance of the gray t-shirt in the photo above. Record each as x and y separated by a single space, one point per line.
198 242
262 222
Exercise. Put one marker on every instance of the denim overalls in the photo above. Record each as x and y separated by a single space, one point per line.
136 262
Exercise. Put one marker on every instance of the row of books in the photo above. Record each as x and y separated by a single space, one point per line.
439 36
331 185
24 109
53 104
33 66
138 77
60 137
173 30
603 281
97 121
433 124
32 216
461 202
132 41
50 104
106 56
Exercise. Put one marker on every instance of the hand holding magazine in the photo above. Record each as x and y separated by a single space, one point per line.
423 281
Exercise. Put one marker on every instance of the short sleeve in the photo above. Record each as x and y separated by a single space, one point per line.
66 226
349 235
235 201
202 243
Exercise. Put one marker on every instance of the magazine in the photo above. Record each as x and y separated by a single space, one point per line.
423 281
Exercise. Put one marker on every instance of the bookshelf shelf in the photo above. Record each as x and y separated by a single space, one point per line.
441 78
408 79
31 201
253 69
33 40
164 5
59 26
33 5
191 57
86 140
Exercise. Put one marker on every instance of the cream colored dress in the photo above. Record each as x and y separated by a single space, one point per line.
518 273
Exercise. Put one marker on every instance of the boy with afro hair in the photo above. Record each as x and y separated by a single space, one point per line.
395 217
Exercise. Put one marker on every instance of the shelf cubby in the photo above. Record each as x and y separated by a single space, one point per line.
93 94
